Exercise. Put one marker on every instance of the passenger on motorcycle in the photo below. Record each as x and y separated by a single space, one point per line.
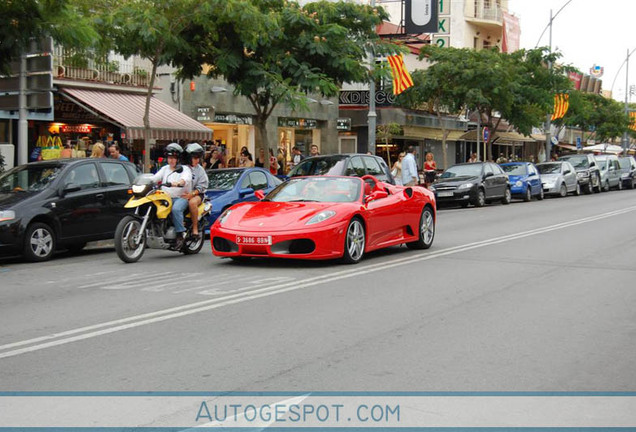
176 181
194 153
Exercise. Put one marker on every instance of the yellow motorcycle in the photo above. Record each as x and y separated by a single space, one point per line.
151 225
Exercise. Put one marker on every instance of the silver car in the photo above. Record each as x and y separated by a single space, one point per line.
559 178
610 172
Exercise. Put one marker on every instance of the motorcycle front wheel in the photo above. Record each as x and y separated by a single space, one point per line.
127 231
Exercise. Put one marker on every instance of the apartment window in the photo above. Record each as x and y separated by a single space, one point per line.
487 44
475 43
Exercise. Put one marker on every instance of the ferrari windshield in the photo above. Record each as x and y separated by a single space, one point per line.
29 178
317 189
223 179
321 165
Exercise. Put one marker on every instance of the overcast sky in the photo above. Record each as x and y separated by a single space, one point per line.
587 32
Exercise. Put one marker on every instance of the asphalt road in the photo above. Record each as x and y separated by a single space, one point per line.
533 296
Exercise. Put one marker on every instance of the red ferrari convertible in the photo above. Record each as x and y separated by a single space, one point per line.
326 218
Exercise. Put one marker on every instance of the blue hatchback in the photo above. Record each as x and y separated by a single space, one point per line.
524 179
234 185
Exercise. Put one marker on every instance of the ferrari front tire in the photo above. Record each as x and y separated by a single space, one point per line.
427 230
355 239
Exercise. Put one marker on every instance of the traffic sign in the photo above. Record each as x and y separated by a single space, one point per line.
579 146
35 101
486 132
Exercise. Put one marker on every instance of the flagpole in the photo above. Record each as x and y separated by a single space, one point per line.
372 115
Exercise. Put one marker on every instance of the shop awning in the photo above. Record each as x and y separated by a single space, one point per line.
127 111
418 133
501 137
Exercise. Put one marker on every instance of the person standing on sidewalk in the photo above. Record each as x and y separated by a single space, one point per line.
409 168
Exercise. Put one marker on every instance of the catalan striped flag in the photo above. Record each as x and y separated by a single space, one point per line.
632 120
401 77
561 105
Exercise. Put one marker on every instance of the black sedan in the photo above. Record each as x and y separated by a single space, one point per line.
472 183
61 204
353 165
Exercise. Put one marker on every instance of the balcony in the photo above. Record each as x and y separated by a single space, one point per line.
69 65
490 18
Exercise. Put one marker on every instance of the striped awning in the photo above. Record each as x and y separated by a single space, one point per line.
127 111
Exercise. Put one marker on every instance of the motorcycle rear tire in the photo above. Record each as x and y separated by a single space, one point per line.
124 252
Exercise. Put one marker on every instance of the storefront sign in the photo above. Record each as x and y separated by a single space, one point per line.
343 124
297 123
68 112
86 129
204 114
233 119
361 97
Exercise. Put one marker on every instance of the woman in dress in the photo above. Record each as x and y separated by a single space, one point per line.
430 167
397 169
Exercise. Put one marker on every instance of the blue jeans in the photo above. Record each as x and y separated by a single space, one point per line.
179 205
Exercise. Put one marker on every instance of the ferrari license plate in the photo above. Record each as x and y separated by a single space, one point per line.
254 240
445 193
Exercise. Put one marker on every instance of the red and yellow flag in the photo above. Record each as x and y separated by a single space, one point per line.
561 105
632 121
401 77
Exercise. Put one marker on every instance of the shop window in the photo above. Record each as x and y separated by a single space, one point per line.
84 176
115 174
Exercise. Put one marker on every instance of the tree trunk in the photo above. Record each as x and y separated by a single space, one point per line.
444 136
151 84
262 141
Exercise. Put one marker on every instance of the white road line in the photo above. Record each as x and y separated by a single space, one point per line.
234 298
217 282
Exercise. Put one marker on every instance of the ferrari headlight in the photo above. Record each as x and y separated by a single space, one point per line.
224 216
519 183
465 186
320 217
6 215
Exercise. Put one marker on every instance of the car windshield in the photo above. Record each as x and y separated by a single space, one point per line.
223 180
625 163
29 178
601 162
579 161
317 189
549 168
470 170
514 169
324 165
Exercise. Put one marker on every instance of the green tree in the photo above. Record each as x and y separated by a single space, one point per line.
604 117
298 50
517 87
24 20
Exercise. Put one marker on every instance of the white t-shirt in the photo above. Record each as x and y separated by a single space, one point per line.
166 174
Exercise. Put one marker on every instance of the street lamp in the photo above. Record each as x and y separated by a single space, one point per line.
627 92
548 121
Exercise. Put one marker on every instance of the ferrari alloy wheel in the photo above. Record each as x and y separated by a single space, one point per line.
130 243
354 242
40 242
528 196
427 230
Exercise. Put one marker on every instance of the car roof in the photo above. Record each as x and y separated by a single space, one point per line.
75 161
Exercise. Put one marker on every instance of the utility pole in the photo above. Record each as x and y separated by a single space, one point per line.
372 117
625 136
548 120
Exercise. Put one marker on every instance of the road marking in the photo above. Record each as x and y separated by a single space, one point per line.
257 292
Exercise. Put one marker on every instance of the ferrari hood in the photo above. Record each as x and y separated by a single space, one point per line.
264 215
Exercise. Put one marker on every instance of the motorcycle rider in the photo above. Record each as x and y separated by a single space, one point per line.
194 153
177 181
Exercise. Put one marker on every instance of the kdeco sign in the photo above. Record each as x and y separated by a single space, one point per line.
361 97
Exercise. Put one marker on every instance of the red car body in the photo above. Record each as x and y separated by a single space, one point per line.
390 215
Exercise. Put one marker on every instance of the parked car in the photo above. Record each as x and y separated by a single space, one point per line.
525 181
587 172
559 178
326 217
610 172
45 206
628 171
355 165
472 183
230 186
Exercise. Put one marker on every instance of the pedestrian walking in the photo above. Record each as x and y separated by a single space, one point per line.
396 172
409 168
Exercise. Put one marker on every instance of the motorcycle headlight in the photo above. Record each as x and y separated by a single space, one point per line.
224 216
6 215
465 186
320 217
